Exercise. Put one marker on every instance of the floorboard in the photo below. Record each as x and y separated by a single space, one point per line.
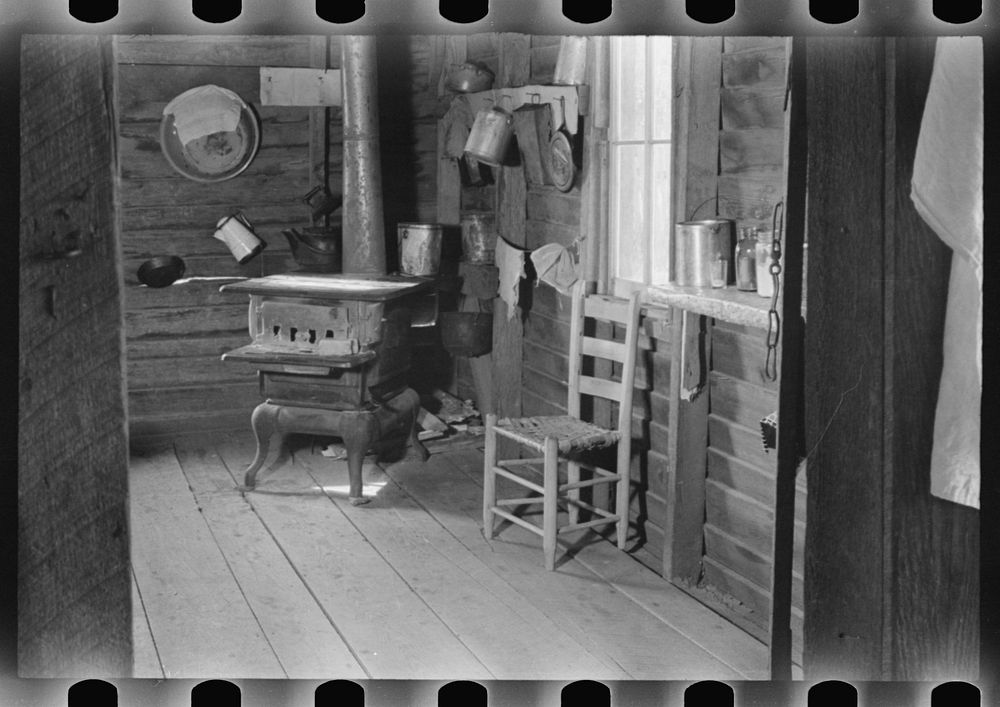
291 580
145 661
601 617
511 638
303 639
198 616
392 631
739 650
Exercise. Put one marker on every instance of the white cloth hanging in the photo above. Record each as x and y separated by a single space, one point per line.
510 264
947 190
554 265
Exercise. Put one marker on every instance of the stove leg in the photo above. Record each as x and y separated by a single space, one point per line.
264 421
358 433
416 450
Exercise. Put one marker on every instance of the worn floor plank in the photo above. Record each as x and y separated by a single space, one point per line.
197 614
303 639
509 636
404 587
702 626
145 662
578 600
394 634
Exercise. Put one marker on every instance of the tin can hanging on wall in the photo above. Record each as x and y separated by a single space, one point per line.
419 248
490 136
479 238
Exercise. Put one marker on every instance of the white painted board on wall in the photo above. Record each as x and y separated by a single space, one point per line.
283 86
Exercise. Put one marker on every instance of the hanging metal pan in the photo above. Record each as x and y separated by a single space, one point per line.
212 139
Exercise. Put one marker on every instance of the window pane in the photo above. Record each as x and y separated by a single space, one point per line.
660 91
628 80
629 209
661 225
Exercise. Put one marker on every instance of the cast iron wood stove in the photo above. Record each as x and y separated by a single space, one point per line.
332 353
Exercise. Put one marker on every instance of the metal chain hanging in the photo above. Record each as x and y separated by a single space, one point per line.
773 319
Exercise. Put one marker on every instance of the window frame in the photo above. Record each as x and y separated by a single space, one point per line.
616 284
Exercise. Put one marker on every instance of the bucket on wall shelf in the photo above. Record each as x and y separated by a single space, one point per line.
701 247
419 248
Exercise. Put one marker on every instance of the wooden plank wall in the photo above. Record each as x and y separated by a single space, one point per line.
741 476
409 108
74 583
484 48
890 566
175 335
552 216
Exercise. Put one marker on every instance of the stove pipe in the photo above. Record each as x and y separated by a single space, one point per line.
364 224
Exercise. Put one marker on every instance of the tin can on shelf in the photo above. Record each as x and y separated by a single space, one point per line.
701 252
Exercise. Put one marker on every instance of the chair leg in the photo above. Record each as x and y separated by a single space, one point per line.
489 476
549 507
622 497
572 476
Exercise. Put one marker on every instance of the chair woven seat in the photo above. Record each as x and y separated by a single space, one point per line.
568 440
572 434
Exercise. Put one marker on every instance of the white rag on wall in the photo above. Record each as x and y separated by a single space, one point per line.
947 191
555 266
510 264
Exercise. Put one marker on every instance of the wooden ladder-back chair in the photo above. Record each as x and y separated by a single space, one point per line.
563 438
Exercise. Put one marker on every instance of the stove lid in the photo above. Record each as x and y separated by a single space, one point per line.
333 286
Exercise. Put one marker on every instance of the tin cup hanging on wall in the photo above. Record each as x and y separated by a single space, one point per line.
490 136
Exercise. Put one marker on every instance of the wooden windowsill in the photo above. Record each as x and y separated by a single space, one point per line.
728 304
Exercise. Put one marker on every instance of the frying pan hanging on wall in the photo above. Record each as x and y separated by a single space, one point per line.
209 134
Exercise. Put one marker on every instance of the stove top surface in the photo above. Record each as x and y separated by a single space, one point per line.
338 286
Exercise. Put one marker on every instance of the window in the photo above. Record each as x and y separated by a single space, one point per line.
640 164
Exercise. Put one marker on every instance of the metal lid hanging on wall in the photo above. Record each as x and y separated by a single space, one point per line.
209 134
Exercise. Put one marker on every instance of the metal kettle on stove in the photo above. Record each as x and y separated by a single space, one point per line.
316 248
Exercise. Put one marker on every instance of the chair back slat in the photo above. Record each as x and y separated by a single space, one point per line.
603 348
607 308
609 389
624 313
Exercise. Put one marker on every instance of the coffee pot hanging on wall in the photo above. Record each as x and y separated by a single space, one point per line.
237 233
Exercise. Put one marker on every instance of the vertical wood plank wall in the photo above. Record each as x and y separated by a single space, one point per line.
552 216
740 476
408 122
895 593
74 583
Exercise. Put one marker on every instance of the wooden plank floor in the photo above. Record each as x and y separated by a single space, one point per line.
290 580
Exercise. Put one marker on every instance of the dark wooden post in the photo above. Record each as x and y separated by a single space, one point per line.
74 577
508 334
891 573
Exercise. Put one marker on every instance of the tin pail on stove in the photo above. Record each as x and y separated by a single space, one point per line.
697 246
419 248
479 238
